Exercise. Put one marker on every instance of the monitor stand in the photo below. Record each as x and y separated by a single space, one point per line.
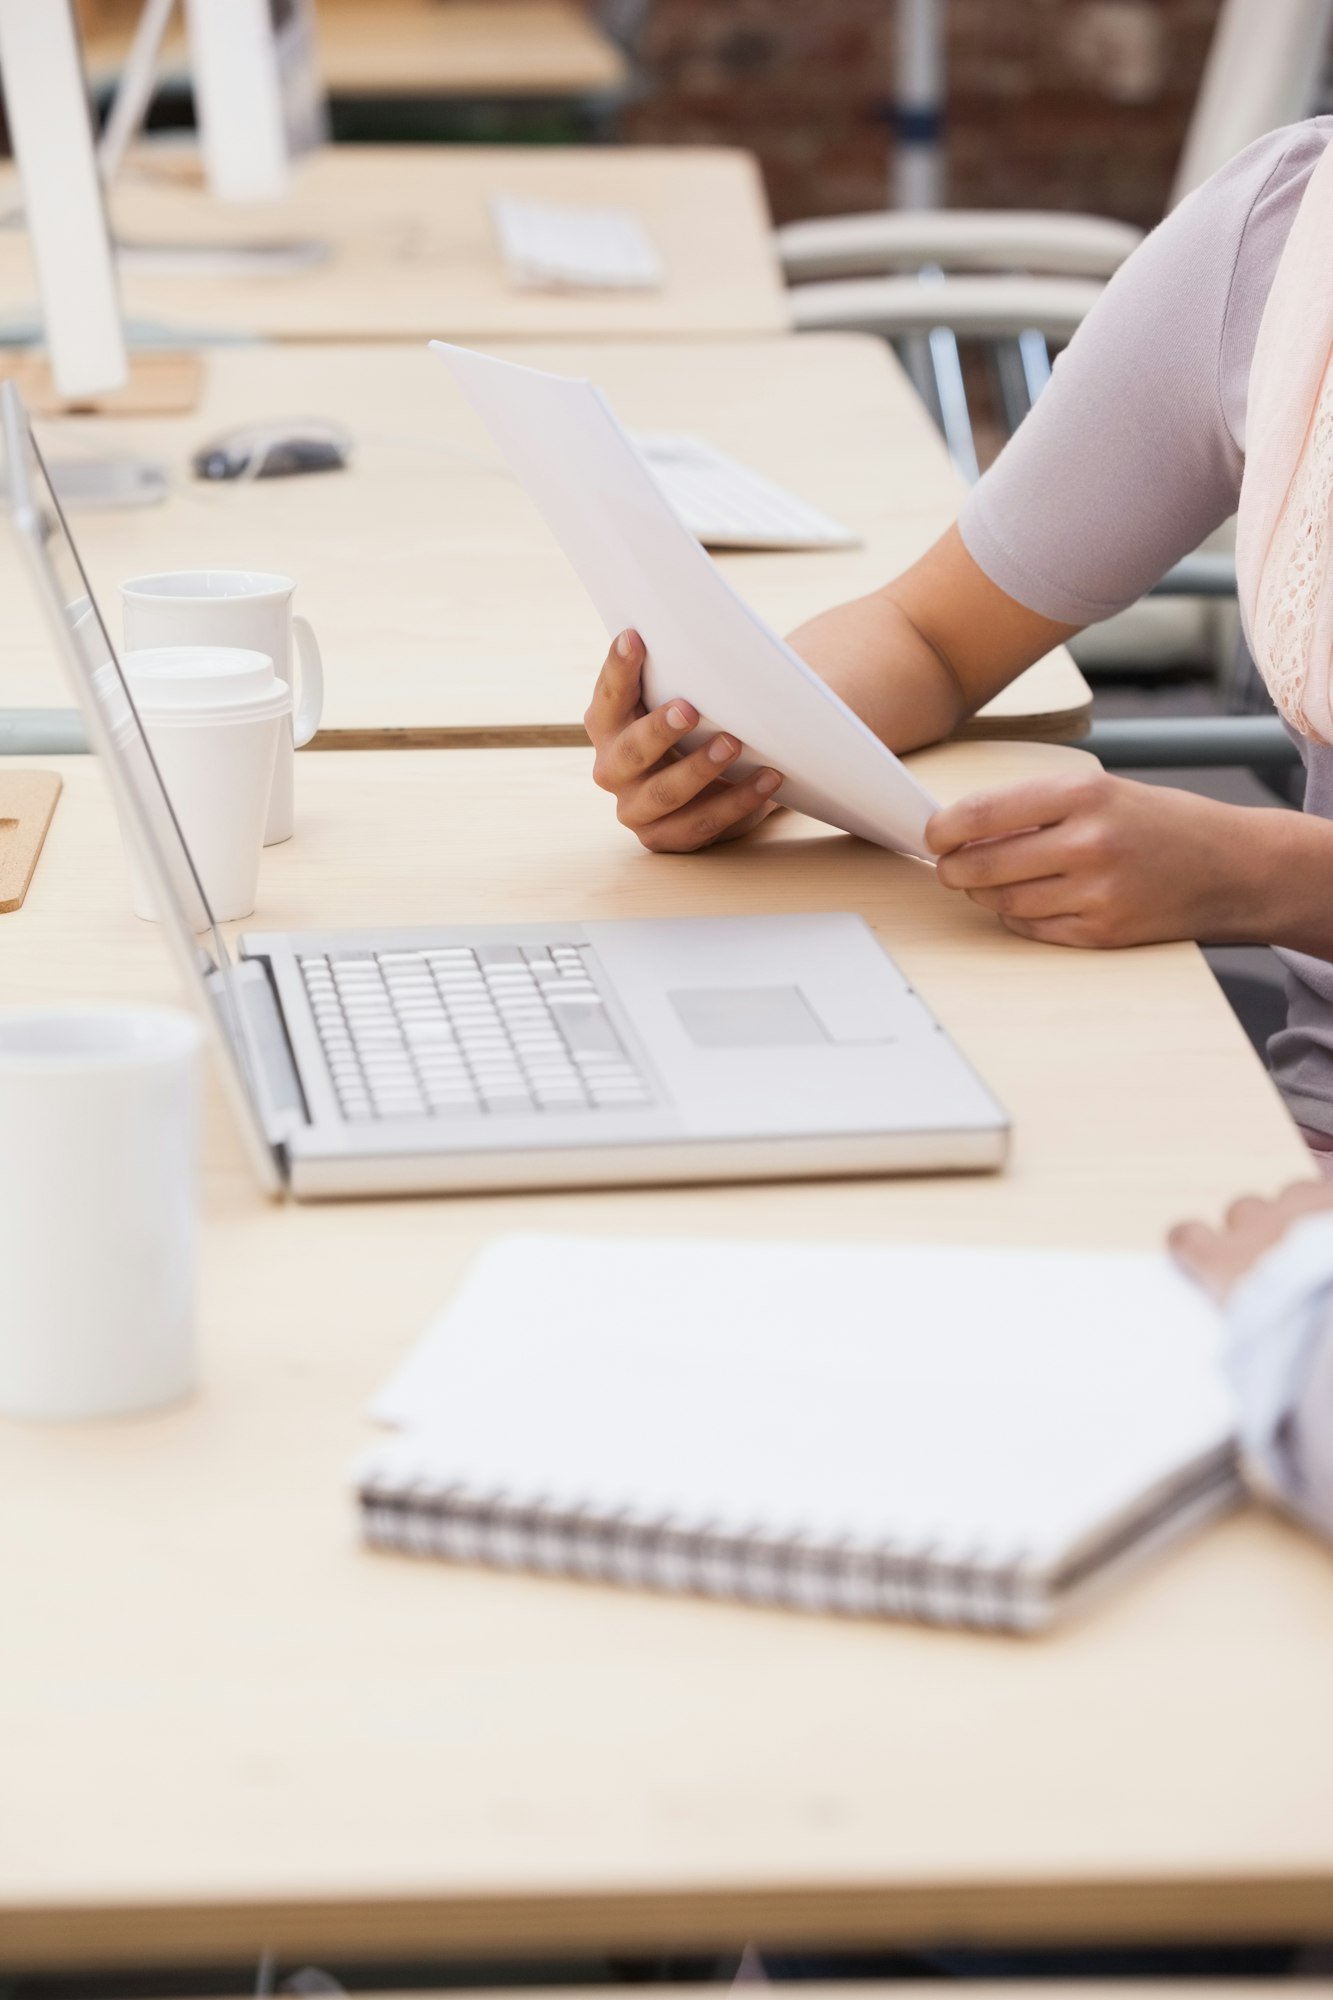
125 123
161 383
106 483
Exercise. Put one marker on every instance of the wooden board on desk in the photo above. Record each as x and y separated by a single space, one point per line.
411 251
157 385
446 612
418 48
226 1727
27 801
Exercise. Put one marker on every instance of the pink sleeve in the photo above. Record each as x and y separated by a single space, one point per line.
1134 452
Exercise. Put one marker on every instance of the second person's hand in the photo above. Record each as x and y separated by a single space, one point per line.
674 803
1219 1258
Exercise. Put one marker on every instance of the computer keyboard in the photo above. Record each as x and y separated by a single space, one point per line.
497 1029
729 507
548 244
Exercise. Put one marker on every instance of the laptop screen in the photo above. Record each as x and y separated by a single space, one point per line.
149 827
103 688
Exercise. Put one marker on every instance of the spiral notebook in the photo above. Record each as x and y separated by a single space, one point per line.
963 1436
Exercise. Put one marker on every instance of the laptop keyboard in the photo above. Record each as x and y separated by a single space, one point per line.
496 1029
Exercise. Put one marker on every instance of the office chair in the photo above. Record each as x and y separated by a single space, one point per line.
1002 272
1019 283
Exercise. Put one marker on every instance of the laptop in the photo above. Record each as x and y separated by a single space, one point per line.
533 1055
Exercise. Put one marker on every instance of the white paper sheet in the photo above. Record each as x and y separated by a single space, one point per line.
643 569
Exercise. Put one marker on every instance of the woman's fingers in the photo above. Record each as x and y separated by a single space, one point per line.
1019 809
674 803
1204 1256
1250 1212
1049 896
720 813
749 823
617 696
1193 1244
675 784
990 864
1305 1198
622 760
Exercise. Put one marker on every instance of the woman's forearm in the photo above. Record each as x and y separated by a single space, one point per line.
918 656
1289 880
873 656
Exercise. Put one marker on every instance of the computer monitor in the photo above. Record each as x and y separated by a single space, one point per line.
259 100
51 129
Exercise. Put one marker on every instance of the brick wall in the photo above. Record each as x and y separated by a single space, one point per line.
1055 103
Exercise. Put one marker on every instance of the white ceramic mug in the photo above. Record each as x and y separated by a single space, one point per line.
240 608
98 1203
215 718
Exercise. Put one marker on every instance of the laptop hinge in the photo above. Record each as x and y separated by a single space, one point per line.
282 1099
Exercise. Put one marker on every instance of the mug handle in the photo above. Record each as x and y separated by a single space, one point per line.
305 721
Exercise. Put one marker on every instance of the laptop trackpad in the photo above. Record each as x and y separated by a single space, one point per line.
747 1017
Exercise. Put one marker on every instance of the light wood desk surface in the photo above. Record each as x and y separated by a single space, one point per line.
446 612
1165 1989
420 48
411 252
223 1726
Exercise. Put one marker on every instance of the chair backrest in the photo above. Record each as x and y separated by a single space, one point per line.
1264 69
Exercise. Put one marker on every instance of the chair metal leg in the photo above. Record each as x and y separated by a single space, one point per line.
951 394
1161 742
1035 355
1010 383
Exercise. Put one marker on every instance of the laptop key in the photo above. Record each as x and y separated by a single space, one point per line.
448 1032
586 1028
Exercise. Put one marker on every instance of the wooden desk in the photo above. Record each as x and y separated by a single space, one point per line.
420 48
927 1989
222 1725
446 612
411 251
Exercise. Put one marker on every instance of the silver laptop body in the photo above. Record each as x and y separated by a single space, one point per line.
524 1055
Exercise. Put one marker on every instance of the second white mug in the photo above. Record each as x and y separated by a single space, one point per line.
246 608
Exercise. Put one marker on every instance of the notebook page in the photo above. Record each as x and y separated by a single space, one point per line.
988 1401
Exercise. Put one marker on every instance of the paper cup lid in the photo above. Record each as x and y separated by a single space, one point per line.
197 677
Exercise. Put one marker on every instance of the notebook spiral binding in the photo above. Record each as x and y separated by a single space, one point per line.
927 1584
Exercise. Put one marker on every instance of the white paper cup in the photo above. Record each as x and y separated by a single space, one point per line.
250 609
216 764
98 1199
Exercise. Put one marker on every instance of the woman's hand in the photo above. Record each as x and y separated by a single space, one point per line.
1081 858
1219 1258
674 803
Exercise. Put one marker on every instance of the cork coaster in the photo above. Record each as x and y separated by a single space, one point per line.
27 801
159 385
